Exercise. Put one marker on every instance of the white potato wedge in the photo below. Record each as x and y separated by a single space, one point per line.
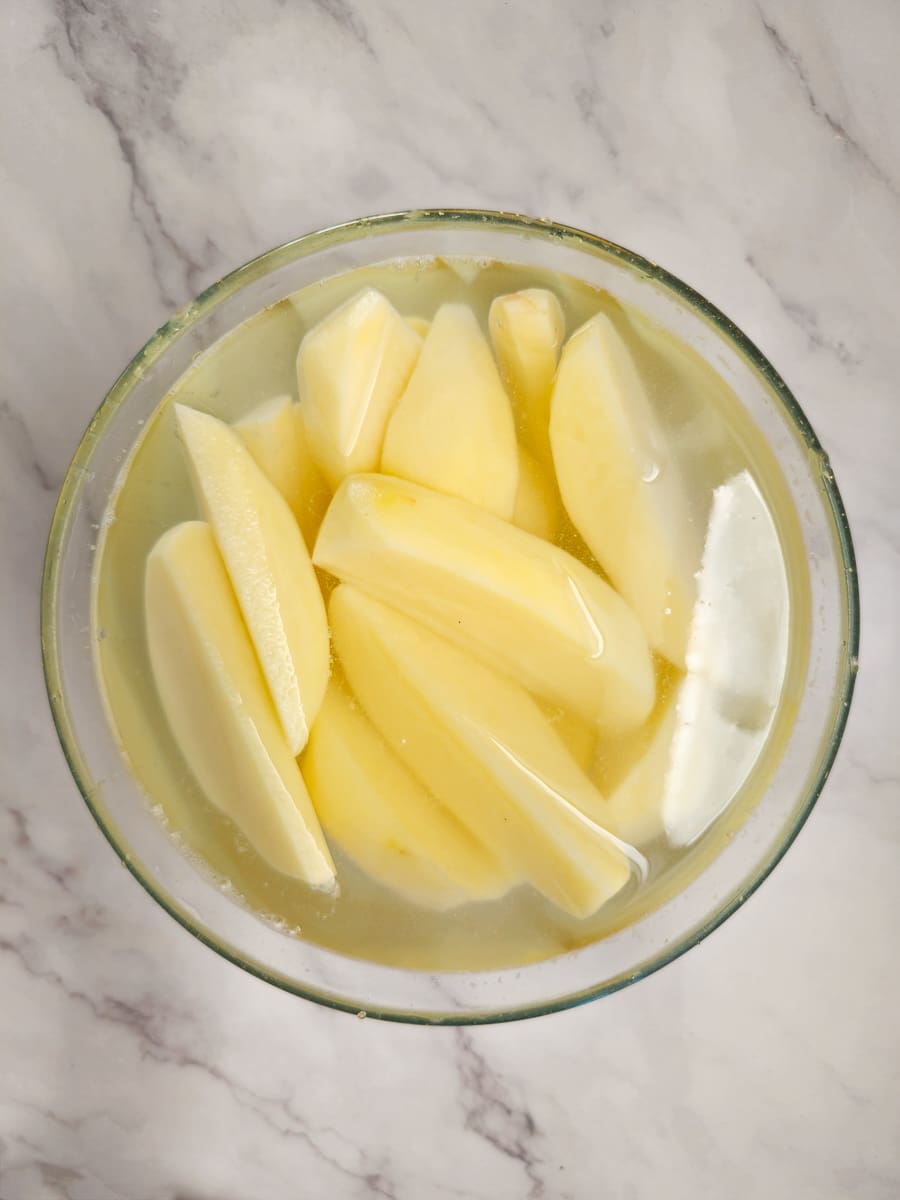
739 633
269 567
370 804
351 371
482 746
736 658
523 606
619 485
527 330
275 434
218 706
537 501
453 428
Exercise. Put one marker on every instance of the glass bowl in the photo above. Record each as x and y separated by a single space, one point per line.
714 885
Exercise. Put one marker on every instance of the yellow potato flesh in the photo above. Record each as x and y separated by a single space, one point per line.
619 485
453 428
385 820
351 371
527 330
269 567
275 434
523 606
218 706
482 746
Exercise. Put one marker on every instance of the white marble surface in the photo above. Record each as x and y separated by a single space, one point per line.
145 149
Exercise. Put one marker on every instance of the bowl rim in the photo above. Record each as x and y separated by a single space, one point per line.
437 218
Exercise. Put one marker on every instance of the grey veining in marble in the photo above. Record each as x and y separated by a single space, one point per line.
753 148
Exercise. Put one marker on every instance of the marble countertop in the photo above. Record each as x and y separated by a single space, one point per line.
754 149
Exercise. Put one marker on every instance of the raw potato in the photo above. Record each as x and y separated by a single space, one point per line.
527 330
701 784
269 567
693 394
351 371
453 429
739 635
521 605
620 487
537 500
219 710
736 659
482 746
275 435
385 820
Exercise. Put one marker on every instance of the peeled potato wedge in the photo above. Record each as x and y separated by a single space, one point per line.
218 706
453 428
521 605
737 659
527 330
620 487
275 435
269 567
352 369
385 820
482 746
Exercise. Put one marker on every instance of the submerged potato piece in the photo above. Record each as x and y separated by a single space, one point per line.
218 707
523 606
537 501
527 330
269 567
351 371
737 659
453 428
619 485
482 746
275 435
385 820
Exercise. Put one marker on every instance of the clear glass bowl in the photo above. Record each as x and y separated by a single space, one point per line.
716 888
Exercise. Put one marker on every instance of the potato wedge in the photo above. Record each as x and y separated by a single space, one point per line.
370 804
619 485
527 330
453 428
275 434
219 708
269 567
521 605
352 369
482 746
